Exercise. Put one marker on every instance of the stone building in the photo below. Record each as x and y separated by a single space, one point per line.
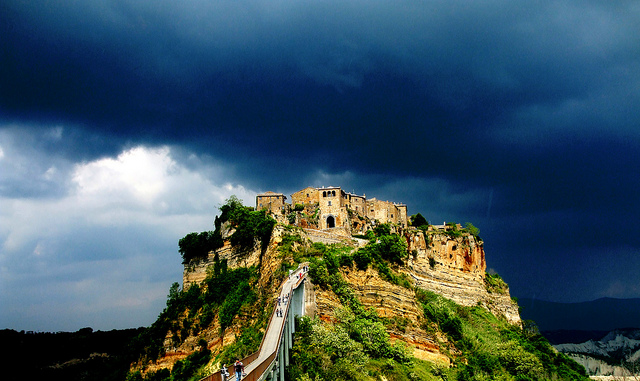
307 196
274 202
335 208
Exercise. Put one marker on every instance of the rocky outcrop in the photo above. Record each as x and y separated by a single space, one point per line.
398 304
454 267
597 356
196 270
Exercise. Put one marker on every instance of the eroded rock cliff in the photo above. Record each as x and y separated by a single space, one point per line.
453 267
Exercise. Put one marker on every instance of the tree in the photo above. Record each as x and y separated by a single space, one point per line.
362 258
392 248
474 231
198 245
174 293
418 220
382 230
230 208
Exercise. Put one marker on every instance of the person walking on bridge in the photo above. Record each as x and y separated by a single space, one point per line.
239 369
224 372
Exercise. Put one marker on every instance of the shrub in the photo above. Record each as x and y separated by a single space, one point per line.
382 230
494 284
362 258
319 273
185 369
442 312
418 220
474 231
331 261
432 262
392 248
251 225
246 343
232 304
373 336
345 260
198 245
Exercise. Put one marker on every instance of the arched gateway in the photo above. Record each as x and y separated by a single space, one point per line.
331 222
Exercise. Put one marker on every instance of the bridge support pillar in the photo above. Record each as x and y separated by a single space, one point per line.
281 362
287 341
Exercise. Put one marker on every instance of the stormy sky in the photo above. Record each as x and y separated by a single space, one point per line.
125 124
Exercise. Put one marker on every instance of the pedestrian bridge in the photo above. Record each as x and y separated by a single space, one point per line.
269 362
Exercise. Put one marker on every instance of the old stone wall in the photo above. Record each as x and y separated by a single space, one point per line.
386 212
271 201
358 204
336 208
403 219
306 196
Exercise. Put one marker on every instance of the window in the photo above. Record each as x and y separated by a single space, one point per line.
329 203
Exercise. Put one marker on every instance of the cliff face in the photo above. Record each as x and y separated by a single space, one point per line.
453 267
389 301
195 272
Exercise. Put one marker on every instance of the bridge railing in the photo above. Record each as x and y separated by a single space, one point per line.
257 372
217 376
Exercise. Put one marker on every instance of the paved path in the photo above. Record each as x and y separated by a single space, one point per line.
270 339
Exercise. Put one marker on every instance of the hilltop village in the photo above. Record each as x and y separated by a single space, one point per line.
345 262
332 208
445 259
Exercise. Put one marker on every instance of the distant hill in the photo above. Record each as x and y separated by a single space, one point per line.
81 355
617 353
604 314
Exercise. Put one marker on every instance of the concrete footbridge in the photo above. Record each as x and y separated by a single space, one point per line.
269 362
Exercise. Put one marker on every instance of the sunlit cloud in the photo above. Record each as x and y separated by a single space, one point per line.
120 218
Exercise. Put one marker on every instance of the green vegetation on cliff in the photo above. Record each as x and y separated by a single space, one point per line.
222 295
488 347
249 225
356 346
227 297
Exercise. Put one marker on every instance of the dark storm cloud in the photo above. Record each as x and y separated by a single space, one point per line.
520 118
346 85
